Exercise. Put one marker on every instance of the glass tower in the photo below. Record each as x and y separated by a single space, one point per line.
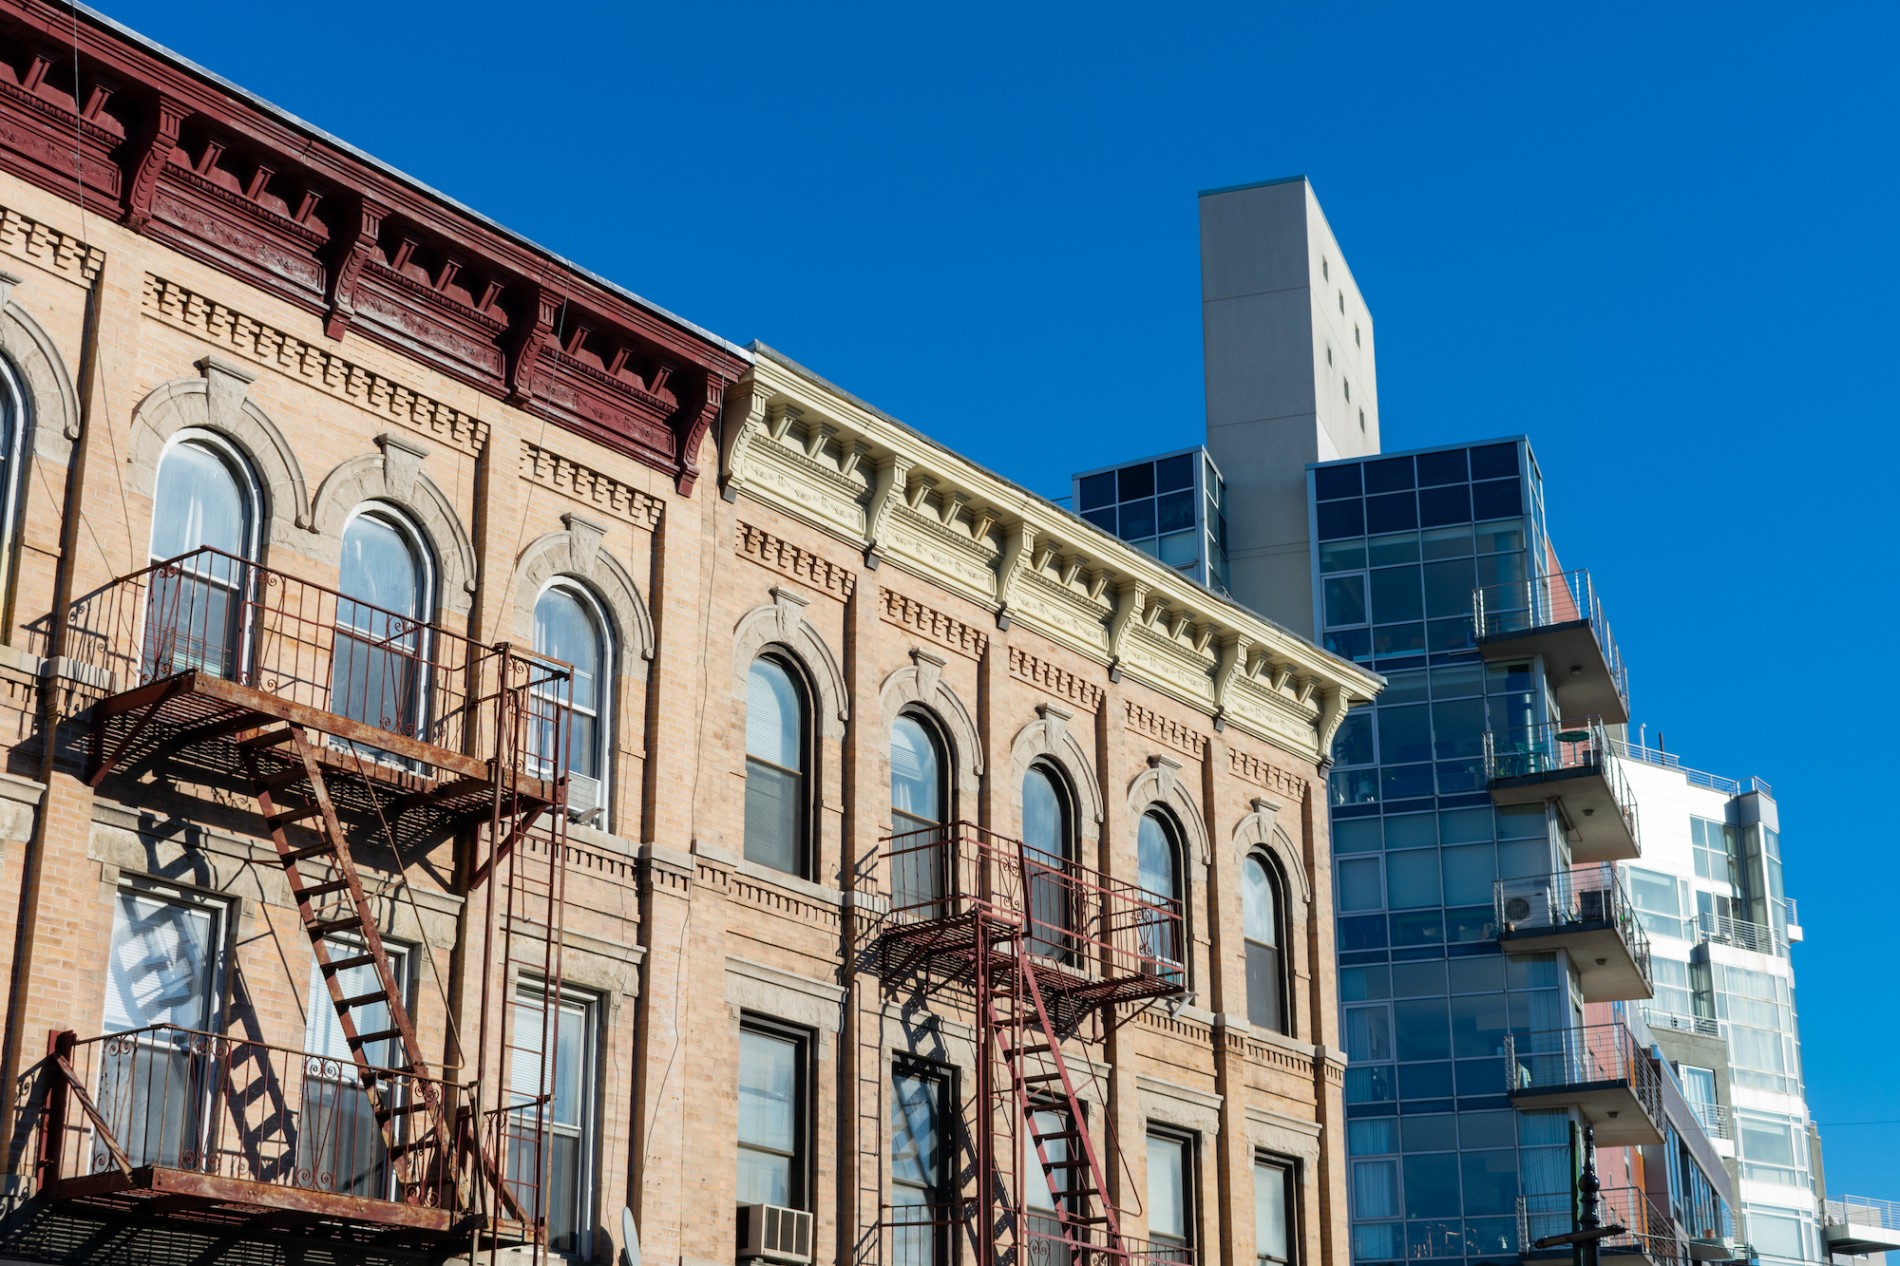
1172 507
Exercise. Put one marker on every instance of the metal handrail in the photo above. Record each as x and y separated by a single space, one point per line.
1865 1211
1721 929
1646 1227
1590 1054
173 1097
1660 1018
376 671
1670 761
1713 1116
1593 894
1557 747
1067 911
1544 601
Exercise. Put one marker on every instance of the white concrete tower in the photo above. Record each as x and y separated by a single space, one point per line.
1290 378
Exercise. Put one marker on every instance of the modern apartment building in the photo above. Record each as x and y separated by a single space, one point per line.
489 763
1513 968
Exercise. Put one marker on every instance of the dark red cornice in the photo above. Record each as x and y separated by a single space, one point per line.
178 157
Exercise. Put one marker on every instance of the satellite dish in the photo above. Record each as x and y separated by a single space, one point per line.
629 1238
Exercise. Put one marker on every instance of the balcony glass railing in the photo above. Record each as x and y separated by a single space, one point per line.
1552 1060
1541 602
1569 899
1647 1229
1559 747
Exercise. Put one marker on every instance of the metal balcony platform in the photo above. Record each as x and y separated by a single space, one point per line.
1587 914
1599 1071
1570 763
1559 617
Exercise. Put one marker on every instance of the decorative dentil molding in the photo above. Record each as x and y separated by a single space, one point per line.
50 248
320 367
570 478
1266 774
1183 738
1054 680
945 630
800 564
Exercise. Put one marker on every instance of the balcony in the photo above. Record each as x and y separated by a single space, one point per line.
1857 1225
1586 913
1096 941
1720 929
1560 618
1572 764
1649 1234
171 1122
1597 1069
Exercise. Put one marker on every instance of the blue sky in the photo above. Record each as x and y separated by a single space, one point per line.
1658 239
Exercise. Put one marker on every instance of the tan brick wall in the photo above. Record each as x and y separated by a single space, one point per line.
668 926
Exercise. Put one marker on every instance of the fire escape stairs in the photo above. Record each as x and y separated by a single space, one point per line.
344 936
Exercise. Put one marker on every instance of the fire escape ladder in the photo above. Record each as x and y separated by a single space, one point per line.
1039 1076
344 935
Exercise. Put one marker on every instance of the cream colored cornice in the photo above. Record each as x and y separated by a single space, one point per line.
798 443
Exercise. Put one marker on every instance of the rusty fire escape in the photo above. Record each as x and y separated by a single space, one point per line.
1044 953
373 744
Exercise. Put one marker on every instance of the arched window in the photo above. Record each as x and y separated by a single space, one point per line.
204 523
13 455
1158 871
569 626
1049 856
777 807
380 674
1261 922
919 799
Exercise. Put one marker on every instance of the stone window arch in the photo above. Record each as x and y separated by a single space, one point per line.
921 687
782 623
575 554
48 395
1049 740
394 477
217 402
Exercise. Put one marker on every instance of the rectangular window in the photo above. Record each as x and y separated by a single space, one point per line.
162 984
772 1115
1170 1196
922 1213
338 1133
566 1028
1275 1206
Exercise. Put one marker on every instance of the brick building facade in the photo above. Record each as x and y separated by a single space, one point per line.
788 614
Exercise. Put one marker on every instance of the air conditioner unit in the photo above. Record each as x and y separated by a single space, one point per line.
584 802
1528 909
770 1233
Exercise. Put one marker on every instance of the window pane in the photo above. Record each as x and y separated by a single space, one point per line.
1167 1186
161 965
1155 864
774 806
916 772
1044 820
1260 919
768 1116
199 501
774 716
565 629
1270 1230
916 1109
1345 600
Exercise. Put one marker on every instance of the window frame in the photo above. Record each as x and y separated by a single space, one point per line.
1290 1173
1068 949
252 508
604 683
400 521
943 1191
15 434
803 1155
1282 923
946 785
805 820
1182 1248
529 990
1176 840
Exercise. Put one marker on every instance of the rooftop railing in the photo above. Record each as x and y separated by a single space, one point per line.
1590 1055
1669 760
1543 602
1569 898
